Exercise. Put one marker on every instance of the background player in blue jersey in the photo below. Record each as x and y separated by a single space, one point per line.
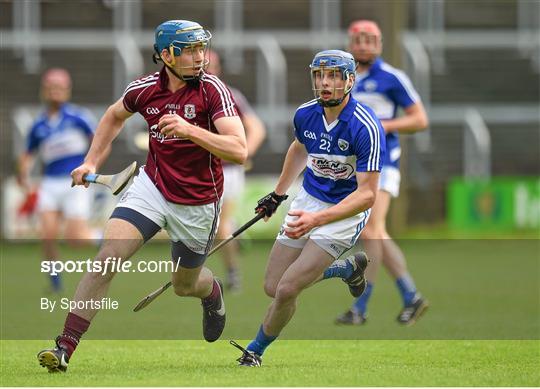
385 89
61 135
343 144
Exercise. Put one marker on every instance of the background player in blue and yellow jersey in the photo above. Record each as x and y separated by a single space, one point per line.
343 143
61 135
385 89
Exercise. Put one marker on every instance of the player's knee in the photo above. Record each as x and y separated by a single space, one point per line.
103 271
270 288
286 292
183 289
100 274
106 253
100 278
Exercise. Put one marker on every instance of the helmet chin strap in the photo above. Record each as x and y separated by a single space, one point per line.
331 102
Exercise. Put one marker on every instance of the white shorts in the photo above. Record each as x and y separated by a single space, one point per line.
389 180
194 225
56 194
334 238
234 181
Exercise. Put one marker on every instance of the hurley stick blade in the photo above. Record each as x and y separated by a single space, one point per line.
151 297
120 180
116 182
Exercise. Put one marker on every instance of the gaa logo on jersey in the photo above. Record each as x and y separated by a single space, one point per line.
152 110
343 144
310 135
189 111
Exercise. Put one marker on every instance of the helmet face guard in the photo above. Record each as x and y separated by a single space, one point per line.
341 64
179 46
177 35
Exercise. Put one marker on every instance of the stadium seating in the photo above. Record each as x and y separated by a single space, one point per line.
481 76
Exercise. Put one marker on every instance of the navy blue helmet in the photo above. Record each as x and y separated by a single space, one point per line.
176 35
339 61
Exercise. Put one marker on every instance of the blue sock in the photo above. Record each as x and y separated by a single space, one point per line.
360 305
56 282
261 342
407 289
341 268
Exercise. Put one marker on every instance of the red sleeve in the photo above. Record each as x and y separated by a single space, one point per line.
128 99
131 97
220 99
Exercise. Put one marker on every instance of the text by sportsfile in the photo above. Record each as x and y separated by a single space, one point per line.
66 304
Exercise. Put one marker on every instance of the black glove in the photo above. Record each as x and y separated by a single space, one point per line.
270 203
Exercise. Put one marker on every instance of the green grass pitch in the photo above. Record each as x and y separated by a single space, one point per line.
288 363
482 328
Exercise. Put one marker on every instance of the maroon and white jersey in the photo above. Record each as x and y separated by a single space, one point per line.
184 172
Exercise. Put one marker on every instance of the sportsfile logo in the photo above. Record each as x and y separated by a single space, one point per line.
109 265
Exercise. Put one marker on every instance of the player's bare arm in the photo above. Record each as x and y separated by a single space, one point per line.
255 133
415 119
24 165
361 199
295 163
108 128
229 144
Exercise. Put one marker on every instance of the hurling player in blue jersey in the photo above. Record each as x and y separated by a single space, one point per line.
61 135
343 144
385 89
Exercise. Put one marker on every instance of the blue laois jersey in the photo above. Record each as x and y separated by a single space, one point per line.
354 142
384 89
62 141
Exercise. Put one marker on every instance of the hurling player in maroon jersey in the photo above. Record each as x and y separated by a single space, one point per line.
193 124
